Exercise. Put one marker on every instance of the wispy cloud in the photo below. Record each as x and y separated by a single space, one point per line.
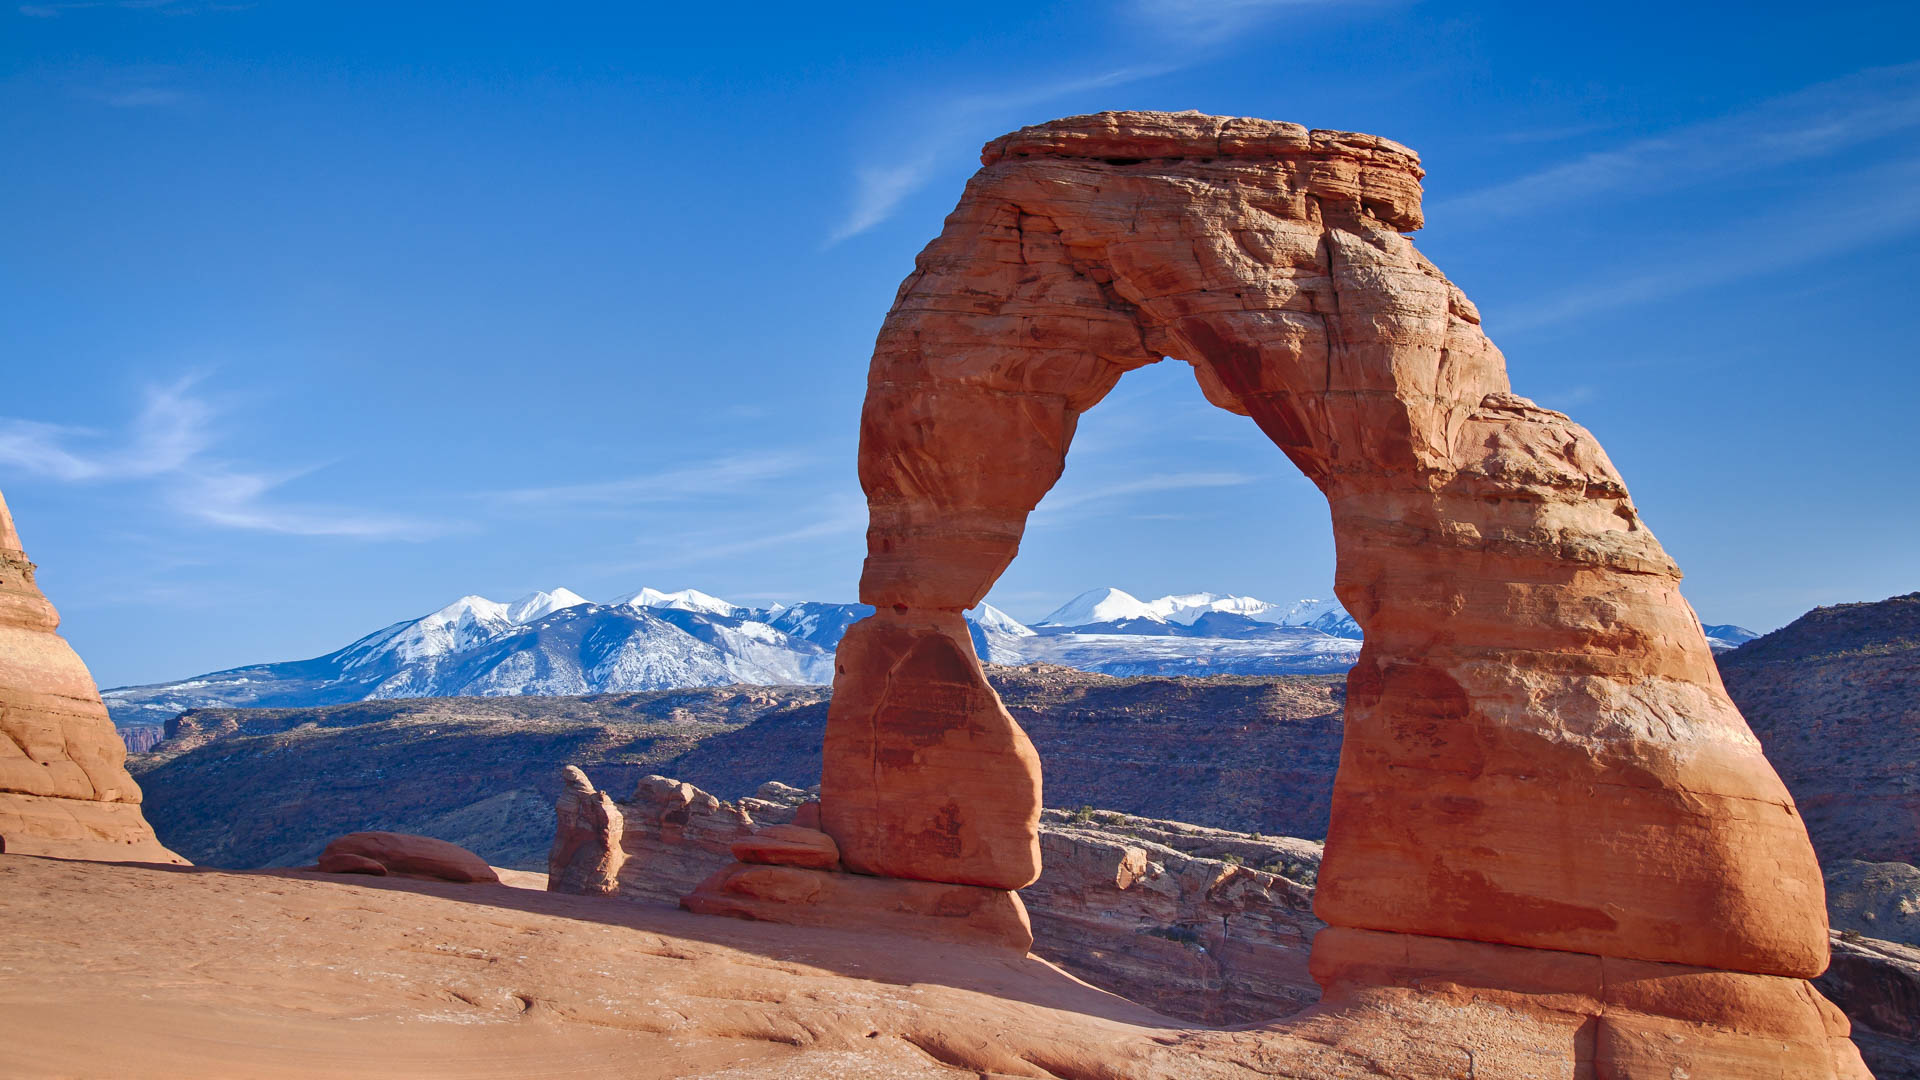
959 121
841 515
165 7
145 97
168 444
1814 122
1057 503
877 192
879 188
1210 21
1871 206
721 476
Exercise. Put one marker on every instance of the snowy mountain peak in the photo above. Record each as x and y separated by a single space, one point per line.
684 600
992 618
538 605
1100 606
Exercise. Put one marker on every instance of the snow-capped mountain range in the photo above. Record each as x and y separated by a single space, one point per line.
559 642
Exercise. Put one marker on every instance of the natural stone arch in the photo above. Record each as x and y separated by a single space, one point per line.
1538 748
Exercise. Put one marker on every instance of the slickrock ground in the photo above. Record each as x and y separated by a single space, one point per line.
128 971
136 971
1201 924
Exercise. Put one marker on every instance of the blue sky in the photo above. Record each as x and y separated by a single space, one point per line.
320 314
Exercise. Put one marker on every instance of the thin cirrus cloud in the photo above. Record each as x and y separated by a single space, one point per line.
1211 21
145 97
1816 121
1868 207
164 7
880 188
948 126
167 445
721 476
1051 508
842 515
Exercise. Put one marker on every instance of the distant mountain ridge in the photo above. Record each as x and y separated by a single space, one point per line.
558 642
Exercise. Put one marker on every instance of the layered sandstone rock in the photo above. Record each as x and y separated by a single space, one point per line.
1202 924
64 788
383 853
588 834
1538 750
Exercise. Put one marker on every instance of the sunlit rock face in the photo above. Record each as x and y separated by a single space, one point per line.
64 788
1539 754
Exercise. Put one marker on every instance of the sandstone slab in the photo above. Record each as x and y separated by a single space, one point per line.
414 856
788 845
993 918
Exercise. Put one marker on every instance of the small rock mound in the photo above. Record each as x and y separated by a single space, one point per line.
382 853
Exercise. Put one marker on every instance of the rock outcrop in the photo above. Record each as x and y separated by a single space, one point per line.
64 786
1544 796
382 853
1203 924
587 836
1878 900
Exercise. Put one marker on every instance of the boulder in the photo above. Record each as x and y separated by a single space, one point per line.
406 855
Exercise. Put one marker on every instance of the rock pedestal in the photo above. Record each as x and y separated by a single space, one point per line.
64 787
1538 753
588 840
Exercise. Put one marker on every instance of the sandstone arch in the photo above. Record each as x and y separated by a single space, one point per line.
1539 752
64 786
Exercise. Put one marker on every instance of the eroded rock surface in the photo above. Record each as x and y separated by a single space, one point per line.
589 831
64 786
1204 924
1534 690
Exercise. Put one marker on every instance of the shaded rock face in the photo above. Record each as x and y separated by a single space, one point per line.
1878 984
64 786
1533 688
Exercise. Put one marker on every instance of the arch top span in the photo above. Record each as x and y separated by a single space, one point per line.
1538 749
1334 164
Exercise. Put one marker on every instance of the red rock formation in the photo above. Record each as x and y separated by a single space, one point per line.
64 788
588 833
788 845
407 854
1538 750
